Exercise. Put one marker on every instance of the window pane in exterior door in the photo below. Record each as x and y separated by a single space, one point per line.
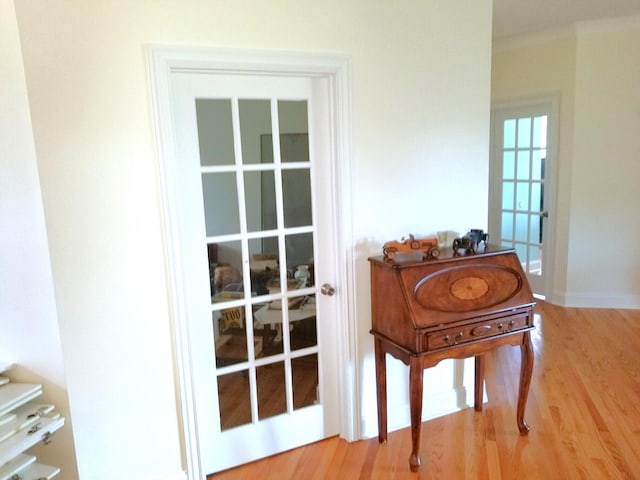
524 132
225 265
263 264
255 120
304 371
221 199
293 124
537 169
509 133
225 270
271 390
535 230
536 197
230 343
303 332
507 195
508 165
296 192
235 403
267 201
522 196
523 165
540 132
215 132
522 230
299 248
260 198
268 324
507 226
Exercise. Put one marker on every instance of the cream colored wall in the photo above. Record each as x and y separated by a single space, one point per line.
596 70
533 68
606 167
420 105
29 334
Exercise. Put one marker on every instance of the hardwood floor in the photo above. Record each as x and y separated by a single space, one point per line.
583 409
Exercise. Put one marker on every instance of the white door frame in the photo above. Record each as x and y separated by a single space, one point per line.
162 63
550 102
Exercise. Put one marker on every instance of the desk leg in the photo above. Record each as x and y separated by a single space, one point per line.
415 399
479 383
526 371
381 389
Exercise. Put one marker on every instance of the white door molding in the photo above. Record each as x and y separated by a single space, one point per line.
335 69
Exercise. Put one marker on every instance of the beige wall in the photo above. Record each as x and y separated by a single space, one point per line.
595 69
604 185
420 111
28 323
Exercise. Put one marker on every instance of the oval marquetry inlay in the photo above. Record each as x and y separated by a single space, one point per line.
465 288
469 288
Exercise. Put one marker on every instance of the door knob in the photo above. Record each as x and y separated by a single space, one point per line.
544 214
327 289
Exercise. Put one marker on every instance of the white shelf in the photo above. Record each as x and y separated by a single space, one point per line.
38 472
24 417
23 424
15 465
27 438
13 395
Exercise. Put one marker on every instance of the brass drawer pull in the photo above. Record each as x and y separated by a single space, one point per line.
481 330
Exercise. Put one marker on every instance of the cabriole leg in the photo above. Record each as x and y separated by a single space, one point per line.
526 372
479 383
415 399
381 389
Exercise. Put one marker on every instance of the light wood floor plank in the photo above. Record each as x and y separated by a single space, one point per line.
583 410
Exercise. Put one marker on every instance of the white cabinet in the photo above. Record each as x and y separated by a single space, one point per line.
24 422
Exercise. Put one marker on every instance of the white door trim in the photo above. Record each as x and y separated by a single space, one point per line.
162 63
552 103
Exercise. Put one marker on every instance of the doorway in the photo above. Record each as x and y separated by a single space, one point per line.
522 189
256 233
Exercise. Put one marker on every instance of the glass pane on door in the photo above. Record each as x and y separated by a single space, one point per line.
523 153
260 245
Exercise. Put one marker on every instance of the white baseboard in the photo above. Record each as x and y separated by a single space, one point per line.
174 476
589 300
433 406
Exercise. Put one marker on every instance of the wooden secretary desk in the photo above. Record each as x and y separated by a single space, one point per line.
424 311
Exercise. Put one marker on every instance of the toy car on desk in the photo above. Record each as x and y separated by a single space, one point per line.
428 246
470 241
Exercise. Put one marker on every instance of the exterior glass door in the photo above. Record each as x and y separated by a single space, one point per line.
519 212
249 201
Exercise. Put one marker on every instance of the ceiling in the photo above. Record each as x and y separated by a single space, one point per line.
514 17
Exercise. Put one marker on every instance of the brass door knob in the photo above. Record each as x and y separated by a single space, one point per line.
327 289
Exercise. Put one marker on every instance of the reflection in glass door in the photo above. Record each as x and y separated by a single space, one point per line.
519 208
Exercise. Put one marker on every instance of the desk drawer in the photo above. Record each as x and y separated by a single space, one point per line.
473 332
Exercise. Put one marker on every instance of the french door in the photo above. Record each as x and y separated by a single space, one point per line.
523 175
257 254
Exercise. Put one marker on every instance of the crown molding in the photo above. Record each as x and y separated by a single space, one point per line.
585 27
615 24
515 42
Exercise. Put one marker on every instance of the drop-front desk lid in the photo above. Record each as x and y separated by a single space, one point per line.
448 289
